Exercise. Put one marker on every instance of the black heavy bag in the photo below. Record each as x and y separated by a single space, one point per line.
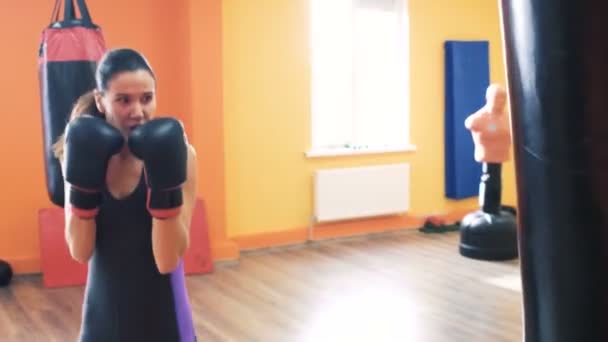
68 55
557 69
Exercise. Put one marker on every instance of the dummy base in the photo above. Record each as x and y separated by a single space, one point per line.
486 236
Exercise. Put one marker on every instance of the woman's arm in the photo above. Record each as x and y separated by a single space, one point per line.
171 237
79 232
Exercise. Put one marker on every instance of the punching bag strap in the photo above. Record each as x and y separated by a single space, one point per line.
69 15
84 11
55 14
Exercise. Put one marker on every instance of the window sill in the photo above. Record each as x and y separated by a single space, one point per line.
345 151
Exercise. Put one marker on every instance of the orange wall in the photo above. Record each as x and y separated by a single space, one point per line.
158 28
206 38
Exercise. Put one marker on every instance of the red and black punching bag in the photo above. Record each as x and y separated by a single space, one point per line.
68 55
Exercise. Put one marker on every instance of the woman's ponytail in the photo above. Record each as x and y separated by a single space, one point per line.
85 105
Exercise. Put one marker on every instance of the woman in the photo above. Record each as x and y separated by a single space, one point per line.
130 181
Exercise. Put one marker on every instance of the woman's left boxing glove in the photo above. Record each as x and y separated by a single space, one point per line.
160 143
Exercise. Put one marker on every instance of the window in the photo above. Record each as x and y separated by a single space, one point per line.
359 81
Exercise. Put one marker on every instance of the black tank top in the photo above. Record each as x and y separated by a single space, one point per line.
126 298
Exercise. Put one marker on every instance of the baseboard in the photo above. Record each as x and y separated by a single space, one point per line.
224 250
271 239
340 229
25 265
365 226
228 250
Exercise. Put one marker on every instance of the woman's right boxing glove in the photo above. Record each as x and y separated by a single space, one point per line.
89 144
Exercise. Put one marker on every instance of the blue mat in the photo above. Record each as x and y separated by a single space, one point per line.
467 76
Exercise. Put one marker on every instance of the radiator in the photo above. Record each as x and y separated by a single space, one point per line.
358 192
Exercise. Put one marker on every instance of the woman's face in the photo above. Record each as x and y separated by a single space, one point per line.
129 101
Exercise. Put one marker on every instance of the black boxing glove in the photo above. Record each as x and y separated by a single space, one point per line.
90 142
161 145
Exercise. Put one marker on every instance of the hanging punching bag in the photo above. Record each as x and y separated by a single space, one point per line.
556 57
68 54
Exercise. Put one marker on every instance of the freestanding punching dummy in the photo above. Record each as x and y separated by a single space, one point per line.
556 57
68 54
490 233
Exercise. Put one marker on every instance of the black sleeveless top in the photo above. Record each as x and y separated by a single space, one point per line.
126 298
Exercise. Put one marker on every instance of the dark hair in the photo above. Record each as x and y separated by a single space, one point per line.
117 61
111 64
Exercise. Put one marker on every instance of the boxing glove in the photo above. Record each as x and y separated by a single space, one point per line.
90 142
161 145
